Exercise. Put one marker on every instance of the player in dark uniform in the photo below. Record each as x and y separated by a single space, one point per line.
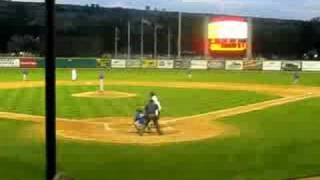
151 110
296 77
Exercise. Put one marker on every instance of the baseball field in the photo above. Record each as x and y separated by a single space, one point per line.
224 125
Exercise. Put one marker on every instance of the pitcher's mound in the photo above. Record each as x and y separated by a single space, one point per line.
105 94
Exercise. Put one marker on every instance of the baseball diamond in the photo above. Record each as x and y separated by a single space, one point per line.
159 90
248 113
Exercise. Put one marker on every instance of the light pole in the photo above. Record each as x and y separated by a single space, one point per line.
179 35
129 40
249 43
169 42
116 39
155 40
143 22
205 39
142 39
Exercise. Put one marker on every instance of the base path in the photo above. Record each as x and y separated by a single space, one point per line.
182 129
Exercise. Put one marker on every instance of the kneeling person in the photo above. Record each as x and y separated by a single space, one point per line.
139 119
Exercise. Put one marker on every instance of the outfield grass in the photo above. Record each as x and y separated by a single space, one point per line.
261 77
175 102
274 145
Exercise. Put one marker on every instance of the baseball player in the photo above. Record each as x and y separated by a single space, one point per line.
189 72
74 74
139 119
101 80
150 114
155 99
25 73
296 77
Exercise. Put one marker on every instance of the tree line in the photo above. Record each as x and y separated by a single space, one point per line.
90 31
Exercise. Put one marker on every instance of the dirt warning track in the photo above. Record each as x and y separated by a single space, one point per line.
182 129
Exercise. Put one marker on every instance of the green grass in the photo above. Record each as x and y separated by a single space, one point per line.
175 102
20 157
274 144
261 77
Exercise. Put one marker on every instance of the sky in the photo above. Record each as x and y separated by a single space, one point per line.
284 9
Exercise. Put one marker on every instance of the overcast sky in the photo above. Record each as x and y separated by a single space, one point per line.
288 9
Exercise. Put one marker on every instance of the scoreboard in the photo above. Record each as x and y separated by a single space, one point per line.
227 34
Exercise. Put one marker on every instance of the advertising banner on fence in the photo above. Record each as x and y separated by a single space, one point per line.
103 63
133 63
291 65
165 64
9 62
76 62
252 65
182 64
118 63
216 64
271 65
234 65
310 65
199 64
149 63
28 62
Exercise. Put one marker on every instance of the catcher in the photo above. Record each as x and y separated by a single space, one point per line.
140 121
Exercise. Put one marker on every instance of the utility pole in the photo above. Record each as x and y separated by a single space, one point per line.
116 39
179 35
129 40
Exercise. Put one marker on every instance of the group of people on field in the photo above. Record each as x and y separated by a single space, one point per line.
150 113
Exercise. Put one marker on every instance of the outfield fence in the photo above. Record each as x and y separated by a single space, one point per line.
232 65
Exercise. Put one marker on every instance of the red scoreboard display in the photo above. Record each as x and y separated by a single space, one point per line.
228 35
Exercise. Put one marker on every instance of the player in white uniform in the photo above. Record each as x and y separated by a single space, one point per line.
101 80
157 102
74 74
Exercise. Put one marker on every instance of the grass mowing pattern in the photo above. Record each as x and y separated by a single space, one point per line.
260 77
20 157
274 144
175 102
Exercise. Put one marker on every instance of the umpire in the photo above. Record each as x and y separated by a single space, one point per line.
151 110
